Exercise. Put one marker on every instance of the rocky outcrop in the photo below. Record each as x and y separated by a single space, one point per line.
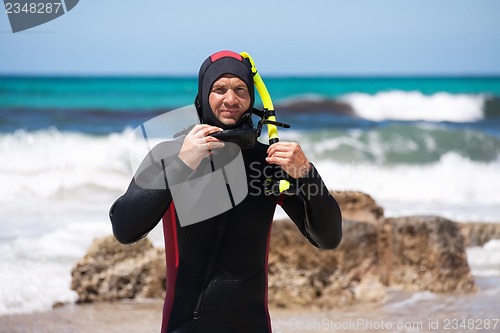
425 253
111 271
300 274
317 106
358 206
478 234
411 253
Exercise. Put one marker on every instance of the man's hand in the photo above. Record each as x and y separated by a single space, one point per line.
290 157
198 144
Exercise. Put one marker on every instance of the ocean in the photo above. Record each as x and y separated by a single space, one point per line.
417 145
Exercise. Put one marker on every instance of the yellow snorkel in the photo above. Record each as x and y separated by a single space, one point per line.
269 116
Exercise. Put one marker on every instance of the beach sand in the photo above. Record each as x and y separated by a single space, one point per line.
403 312
125 316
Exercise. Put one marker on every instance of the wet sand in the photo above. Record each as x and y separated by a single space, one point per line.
126 316
403 312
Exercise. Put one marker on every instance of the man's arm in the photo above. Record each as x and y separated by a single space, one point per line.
147 198
313 209
137 212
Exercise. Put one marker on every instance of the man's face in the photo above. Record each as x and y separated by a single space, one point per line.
229 98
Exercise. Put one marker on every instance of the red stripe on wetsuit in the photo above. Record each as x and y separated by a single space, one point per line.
172 258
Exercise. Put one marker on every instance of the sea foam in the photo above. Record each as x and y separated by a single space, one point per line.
36 270
47 162
57 188
454 186
413 105
485 260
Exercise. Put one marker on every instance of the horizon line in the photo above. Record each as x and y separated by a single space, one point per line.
270 76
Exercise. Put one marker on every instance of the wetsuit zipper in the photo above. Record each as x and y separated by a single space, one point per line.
219 235
199 303
210 270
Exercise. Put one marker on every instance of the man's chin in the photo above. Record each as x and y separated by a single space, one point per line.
228 121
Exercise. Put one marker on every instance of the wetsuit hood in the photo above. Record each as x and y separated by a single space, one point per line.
218 64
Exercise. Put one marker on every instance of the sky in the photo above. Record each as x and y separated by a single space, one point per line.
330 38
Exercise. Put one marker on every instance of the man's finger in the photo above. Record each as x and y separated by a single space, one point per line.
214 145
274 147
282 154
211 129
210 139
277 160
279 146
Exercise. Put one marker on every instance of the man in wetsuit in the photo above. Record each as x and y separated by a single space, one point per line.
217 268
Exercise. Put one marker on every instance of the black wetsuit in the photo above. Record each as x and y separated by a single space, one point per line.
217 269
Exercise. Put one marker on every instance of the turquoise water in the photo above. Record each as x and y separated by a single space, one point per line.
153 93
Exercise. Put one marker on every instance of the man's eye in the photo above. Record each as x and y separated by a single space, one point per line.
219 90
242 92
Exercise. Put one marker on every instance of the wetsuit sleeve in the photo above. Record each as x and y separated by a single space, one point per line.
139 210
315 212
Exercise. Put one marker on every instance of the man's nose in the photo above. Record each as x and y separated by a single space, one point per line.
230 97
